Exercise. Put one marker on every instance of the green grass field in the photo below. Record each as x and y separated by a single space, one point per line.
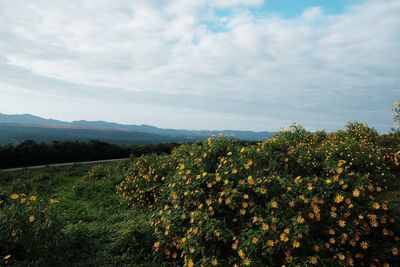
99 229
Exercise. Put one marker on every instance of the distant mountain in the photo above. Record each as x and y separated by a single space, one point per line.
28 119
18 128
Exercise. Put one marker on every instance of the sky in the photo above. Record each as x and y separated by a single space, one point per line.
202 64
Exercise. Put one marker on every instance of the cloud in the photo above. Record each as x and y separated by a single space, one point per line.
255 72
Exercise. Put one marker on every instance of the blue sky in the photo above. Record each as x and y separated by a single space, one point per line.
221 64
293 8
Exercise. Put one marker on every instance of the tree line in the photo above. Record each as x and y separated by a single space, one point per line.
30 153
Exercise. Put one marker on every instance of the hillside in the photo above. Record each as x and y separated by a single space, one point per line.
17 133
18 128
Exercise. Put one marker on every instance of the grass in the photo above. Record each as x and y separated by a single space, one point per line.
99 229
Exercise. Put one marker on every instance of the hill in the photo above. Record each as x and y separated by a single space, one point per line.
18 128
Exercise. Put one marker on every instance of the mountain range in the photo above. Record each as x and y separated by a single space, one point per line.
15 129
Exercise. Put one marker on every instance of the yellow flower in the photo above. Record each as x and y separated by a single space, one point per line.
156 245
14 196
395 251
241 253
300 219
254 240
270 243
396 103
7 257
265 227
356 193
217 233
339 198
284 238
313 260
234 246
248 164
376 206
234 171
245 196
341 256
214 262
296 244
364 244
31 218
250 180
246 262
342 223
53 201
190 263
33 198
274 204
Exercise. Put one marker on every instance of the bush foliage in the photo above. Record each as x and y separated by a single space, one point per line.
297 199
30 227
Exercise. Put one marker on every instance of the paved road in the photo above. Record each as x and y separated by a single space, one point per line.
58 165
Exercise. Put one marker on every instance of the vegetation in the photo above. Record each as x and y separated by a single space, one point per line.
71 217
396 112
296 199
31 153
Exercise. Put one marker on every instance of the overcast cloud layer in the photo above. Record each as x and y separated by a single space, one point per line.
181 64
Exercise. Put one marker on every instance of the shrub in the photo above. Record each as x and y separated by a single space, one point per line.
30 227
298 198
98 172
144 178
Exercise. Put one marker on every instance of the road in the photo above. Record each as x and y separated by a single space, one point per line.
58 165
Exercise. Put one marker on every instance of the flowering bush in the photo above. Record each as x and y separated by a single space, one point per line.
98 172
297 198
144 179
396 110
29 227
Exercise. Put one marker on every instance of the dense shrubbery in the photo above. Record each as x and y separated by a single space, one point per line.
299 198
30 228
144 179
296 199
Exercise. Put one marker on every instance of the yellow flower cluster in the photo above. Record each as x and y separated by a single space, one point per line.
298 197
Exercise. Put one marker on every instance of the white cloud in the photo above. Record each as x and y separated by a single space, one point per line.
235 3
317 69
